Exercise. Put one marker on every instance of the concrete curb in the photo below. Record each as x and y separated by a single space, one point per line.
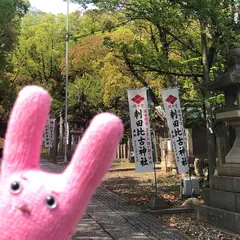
171 211
158 167
126 169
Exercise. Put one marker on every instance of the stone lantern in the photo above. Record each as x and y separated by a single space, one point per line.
229 161
222 200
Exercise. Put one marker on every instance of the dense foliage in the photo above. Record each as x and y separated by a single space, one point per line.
121 44
11 12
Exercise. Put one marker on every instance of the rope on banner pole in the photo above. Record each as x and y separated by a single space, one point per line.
153 151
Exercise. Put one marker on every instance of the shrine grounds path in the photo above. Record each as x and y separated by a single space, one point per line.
108 217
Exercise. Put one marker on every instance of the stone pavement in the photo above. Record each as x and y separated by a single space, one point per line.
108 217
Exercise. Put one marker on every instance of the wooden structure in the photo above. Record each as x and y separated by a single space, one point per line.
123 153
75 132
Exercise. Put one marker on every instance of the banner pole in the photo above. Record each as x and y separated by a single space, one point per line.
153 151
170 96
186 154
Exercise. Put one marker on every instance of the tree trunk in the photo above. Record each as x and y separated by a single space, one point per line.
208 107
130 66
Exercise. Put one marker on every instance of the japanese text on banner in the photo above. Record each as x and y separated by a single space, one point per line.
48 136
141 135
173 112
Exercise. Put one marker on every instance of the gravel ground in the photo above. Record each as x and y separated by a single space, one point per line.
188 224
138 190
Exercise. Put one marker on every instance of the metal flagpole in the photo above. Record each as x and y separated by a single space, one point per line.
66 85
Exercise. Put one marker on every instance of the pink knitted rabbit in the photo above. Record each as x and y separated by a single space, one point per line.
37 205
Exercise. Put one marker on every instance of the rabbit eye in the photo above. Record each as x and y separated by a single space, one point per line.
51 202
16 187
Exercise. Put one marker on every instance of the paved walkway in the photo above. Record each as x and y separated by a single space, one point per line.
108 217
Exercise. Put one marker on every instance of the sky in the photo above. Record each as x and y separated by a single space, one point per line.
53 6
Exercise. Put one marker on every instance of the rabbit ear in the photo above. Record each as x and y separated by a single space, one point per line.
93 155
25 130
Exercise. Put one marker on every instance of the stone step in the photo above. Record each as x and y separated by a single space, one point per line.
229 184
220 199
219 218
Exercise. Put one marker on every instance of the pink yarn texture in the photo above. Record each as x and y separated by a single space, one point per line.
37 205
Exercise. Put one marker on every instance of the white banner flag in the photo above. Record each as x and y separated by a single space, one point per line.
52 129
47 135
140 125
173 112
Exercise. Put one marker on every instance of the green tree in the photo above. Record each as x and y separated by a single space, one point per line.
39 54
181 40
94 58
172 46
11 12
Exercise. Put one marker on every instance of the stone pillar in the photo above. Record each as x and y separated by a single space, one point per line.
228 163
234 154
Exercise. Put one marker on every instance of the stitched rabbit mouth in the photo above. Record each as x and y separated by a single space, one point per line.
25 210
